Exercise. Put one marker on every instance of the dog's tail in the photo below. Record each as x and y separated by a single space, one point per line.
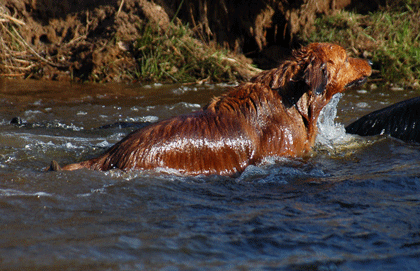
54 166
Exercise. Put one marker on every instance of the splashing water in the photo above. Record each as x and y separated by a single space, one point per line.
329 132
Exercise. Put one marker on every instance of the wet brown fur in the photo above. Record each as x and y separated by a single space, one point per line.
273 115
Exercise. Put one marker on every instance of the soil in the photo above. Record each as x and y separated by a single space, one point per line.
91 40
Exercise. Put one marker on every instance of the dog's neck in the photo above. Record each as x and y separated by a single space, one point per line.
308 105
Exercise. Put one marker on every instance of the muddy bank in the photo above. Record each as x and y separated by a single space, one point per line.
96 40
69 40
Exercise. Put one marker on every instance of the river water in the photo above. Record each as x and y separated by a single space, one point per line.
353 205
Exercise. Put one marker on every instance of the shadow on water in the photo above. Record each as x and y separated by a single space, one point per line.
352 205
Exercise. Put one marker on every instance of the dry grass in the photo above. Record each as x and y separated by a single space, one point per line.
15 60
18 58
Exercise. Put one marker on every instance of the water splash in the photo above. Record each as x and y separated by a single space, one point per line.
331 133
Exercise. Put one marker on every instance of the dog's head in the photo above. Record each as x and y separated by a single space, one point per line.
313 75
324 68
329 70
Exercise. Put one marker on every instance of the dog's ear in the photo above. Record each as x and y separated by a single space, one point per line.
283 74
316 76
277 78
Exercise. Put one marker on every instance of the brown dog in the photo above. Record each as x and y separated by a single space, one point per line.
273 115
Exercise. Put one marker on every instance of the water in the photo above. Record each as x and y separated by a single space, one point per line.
353 205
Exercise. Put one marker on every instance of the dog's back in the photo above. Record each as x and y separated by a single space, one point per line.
233 131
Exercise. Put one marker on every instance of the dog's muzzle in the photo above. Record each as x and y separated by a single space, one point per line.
357 82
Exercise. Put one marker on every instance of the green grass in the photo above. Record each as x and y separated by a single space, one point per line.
389 37
176 56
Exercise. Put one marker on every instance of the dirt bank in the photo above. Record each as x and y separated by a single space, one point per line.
68 40
94 40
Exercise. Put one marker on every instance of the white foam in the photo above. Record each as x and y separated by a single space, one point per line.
142 119
330 132
184 105
362 105
183 89
14 192
68 127
69 145
104 144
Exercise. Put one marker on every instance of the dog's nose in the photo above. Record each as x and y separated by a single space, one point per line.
369 62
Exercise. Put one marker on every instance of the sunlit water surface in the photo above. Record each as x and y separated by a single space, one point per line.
353 205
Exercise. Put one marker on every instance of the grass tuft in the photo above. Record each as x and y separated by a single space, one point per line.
176 56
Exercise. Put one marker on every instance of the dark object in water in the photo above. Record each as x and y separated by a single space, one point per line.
18 121
400 120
